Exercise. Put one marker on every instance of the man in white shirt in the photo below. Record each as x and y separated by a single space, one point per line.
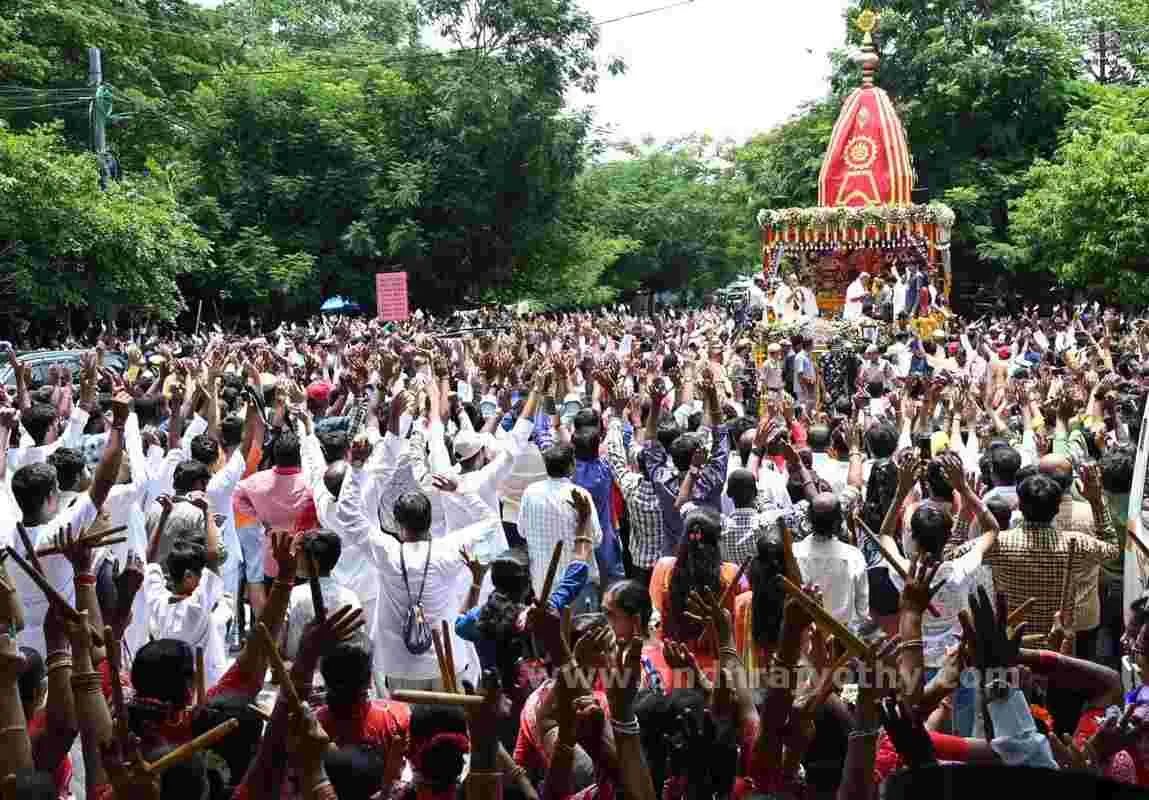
185 611
793 301
758 298
38 497
548 516
36 422
930 530
236 440
413 571
899 293
855 294
837 568
325 549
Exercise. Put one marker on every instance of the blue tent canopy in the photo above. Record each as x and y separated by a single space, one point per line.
339 305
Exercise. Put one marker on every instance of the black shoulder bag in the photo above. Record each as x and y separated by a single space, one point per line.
416 631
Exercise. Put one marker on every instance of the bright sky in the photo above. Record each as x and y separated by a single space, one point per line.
729 68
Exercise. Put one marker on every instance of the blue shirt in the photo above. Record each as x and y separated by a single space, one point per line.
656 464
569 586
595 476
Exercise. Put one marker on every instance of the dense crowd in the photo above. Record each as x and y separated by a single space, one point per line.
592 554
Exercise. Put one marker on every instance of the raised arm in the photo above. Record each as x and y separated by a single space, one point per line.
16 749
909 469
108 470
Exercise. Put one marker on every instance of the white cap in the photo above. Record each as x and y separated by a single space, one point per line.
467 445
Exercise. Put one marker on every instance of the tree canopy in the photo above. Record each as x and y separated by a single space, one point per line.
276 152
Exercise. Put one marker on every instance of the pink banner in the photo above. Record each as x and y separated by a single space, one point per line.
391 296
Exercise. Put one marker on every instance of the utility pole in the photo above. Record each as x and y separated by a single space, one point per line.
101 109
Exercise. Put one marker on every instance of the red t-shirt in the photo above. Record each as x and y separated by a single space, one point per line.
380 724
62 772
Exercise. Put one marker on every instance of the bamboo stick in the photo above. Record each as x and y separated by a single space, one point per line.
278 668
441 657
732 588
1018 614
200 678
824 620
316 590
552 569
448 651
201 742
437 698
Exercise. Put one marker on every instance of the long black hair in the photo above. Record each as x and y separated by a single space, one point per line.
698 566
768 597
880 492
682 739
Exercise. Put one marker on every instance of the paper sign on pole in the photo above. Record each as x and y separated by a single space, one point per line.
391 296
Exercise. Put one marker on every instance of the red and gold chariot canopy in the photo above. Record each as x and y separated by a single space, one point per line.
865 184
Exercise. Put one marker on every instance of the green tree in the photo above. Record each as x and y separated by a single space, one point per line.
154 54
1112 34
64 243
287 163
684 206
780 167
1085 213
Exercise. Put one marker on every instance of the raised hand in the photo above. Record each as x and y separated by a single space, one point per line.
581 503
283 551
1091 485
476 567
704 609
916 593
628 670
909 470
360 451
76 548
320 637
444 483
594 648
954 470
129 774
997 646
121 407
307 741
907 733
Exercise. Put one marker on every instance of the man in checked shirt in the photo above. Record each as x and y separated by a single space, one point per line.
642 504
1030 561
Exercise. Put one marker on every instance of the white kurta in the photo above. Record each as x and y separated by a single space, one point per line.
189 620
855 293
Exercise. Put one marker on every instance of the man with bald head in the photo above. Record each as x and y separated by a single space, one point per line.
837 568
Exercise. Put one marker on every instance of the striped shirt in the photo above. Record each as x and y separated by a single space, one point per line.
642 504
1031 561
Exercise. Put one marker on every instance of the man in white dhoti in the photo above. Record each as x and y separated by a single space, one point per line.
794 302
855 295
